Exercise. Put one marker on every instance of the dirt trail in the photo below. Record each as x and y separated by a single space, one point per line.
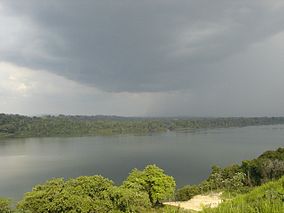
197 202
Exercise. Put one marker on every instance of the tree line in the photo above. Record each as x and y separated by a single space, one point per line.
49 126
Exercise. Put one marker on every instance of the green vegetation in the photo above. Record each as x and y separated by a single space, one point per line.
83 194
268 166
48 126
268 198
5 206
247 183
139 192
215 182
239 178
153 181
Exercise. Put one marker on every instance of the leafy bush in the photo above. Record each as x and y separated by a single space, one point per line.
268 166
83 194
5 206
219 179
238 179
153 181
128 200
187 192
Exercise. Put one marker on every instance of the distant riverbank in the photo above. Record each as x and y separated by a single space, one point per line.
18 126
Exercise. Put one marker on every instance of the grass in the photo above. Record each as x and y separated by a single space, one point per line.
268 198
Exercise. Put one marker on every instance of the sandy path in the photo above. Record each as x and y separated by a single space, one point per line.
197 202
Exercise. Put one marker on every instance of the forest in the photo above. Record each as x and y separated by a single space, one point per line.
254 186
62 125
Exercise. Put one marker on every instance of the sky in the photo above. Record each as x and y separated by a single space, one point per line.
142 57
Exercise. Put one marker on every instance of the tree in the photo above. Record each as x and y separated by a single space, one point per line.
153 181
84 194
129 200
5 206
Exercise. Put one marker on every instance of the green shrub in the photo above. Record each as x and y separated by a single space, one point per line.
84 194
129 200
268 166
153 181
187 192
5 206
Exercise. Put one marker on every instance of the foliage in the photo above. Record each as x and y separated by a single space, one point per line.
5 206
98 194
83 194
267 198
153 181
75 195
237 179
216 182
129 200
268 166
273 155
48 126
187 192
222 179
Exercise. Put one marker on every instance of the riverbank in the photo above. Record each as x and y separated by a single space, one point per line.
15 126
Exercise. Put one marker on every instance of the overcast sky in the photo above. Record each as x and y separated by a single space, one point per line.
142 57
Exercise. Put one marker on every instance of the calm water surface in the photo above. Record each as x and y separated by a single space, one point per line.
186 156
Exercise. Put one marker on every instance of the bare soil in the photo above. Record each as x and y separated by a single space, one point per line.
198 202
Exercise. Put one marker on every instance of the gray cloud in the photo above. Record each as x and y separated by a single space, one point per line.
157 58
138 46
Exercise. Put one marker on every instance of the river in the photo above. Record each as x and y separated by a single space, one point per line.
187 156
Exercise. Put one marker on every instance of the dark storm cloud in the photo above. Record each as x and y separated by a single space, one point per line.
139 46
